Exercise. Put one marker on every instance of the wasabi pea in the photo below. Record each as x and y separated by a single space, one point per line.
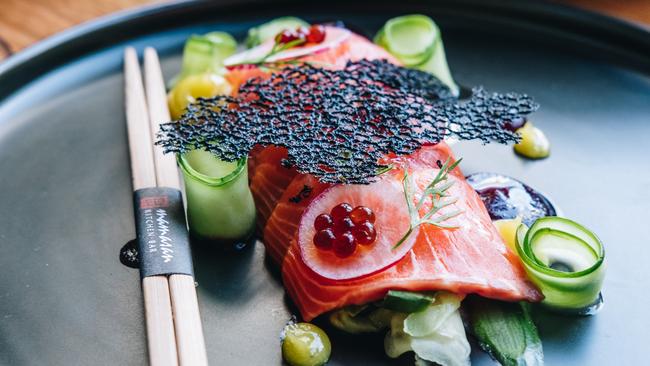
304 344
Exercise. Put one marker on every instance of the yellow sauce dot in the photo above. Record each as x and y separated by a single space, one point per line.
534 144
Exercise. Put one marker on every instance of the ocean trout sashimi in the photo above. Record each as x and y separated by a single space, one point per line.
269 181
470 258
283 223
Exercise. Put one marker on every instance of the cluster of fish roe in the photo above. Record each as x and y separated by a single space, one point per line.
344 228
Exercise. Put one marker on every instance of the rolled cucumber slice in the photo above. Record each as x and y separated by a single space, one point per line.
416 41
570 227
562 251
411 38
205 54
220 205
260 34
565 260
438 67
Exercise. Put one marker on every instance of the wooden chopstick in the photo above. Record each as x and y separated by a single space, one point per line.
187 320
157 302
165 164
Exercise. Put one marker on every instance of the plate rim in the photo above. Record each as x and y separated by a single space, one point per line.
19 69
54 68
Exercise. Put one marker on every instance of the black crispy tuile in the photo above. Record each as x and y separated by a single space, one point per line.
338 124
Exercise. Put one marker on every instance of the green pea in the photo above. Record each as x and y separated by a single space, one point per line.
305 344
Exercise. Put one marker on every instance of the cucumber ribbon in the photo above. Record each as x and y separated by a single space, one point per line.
565 260
205 53
415 40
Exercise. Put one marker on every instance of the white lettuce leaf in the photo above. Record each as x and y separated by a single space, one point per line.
447 348
429 321
436 334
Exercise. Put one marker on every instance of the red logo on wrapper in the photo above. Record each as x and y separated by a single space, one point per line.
154 202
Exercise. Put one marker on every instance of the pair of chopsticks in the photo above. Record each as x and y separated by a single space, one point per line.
174 331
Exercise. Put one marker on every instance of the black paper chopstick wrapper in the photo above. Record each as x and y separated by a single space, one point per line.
163 239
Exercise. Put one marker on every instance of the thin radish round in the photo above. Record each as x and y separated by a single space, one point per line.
333 37
386 199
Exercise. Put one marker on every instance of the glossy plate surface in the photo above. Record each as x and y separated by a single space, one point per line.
65 192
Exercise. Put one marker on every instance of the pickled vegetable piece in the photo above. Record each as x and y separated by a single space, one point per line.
360 319
436 334
348 259
507 198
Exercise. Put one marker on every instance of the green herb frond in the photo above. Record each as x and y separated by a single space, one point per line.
438 193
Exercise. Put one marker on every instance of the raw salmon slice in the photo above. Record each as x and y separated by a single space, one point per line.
283 223
471 258
269 181
427 156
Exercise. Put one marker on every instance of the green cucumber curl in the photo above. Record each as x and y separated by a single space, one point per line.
416 41
553 242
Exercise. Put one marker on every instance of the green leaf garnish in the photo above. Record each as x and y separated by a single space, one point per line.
437 192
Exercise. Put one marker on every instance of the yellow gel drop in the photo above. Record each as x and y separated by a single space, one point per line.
533 144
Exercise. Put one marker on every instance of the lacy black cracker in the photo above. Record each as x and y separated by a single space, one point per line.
163 240
338 124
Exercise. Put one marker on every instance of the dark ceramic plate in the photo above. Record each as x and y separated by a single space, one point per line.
65 191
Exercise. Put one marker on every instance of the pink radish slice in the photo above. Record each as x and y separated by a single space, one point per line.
386 199
333 37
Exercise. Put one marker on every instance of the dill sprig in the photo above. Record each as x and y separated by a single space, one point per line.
437 192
